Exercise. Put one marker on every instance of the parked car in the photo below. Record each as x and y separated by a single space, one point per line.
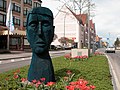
110 50
53 47
56 47
59 47
67 48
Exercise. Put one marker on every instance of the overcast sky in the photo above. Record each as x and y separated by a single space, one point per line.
107 17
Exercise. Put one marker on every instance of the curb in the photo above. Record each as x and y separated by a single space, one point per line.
115 82
14 58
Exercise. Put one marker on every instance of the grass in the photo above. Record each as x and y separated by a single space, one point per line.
95 70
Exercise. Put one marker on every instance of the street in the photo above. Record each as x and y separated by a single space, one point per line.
114 63
6 65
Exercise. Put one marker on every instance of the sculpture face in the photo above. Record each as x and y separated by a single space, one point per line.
40 29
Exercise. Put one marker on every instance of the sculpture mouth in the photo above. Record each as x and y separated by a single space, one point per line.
40 44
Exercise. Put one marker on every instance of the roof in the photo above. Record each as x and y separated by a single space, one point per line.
79 17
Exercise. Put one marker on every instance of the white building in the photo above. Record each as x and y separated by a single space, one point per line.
67 24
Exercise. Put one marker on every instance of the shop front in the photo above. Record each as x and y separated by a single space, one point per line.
17 40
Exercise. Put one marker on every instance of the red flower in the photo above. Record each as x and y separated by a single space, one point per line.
69 72
68 56
36 85
34 81
70 87
73 83
23 79
92 87
39 83
65 78
50 83
16 76
85 57
6 78
18 71
15 73
42 79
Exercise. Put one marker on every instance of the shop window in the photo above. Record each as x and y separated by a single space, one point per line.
13 41
26 41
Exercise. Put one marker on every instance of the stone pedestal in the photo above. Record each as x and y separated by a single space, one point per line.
79 52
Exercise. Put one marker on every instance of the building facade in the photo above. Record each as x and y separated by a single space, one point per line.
73 26
17 38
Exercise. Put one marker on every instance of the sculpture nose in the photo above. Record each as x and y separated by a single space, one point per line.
39 29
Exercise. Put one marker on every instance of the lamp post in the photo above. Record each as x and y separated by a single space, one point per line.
79 36
64 28
89 42
109 39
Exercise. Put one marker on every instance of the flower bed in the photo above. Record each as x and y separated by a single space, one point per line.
20 83
95 70
84 57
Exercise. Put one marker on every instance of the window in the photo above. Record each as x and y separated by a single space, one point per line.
16 8
24 24
25 1
25 11
36 4
13 41
16 21
3 5
2 19
28 2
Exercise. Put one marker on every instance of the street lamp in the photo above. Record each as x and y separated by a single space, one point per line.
64 28
89 42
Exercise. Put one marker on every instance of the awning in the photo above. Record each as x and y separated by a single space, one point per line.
15 32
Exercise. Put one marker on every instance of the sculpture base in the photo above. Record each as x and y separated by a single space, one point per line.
79 52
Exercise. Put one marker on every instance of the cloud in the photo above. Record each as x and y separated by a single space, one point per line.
107 16
52 4
107 19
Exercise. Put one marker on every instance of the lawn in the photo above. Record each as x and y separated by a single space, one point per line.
95 70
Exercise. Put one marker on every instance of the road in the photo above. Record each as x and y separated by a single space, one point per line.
7 65
114 62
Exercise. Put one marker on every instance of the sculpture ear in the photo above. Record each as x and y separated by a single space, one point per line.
54 27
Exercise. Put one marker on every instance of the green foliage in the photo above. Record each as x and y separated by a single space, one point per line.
95 70
117 42
65 40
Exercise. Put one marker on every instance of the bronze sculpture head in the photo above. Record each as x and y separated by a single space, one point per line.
40 33
40 29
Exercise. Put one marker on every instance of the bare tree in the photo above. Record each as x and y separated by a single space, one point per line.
78 6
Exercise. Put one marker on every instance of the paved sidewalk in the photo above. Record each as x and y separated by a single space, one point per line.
15 55
22 54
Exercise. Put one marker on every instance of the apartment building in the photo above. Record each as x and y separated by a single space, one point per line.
20 8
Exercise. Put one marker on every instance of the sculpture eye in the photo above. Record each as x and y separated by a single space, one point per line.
33 24
45 23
